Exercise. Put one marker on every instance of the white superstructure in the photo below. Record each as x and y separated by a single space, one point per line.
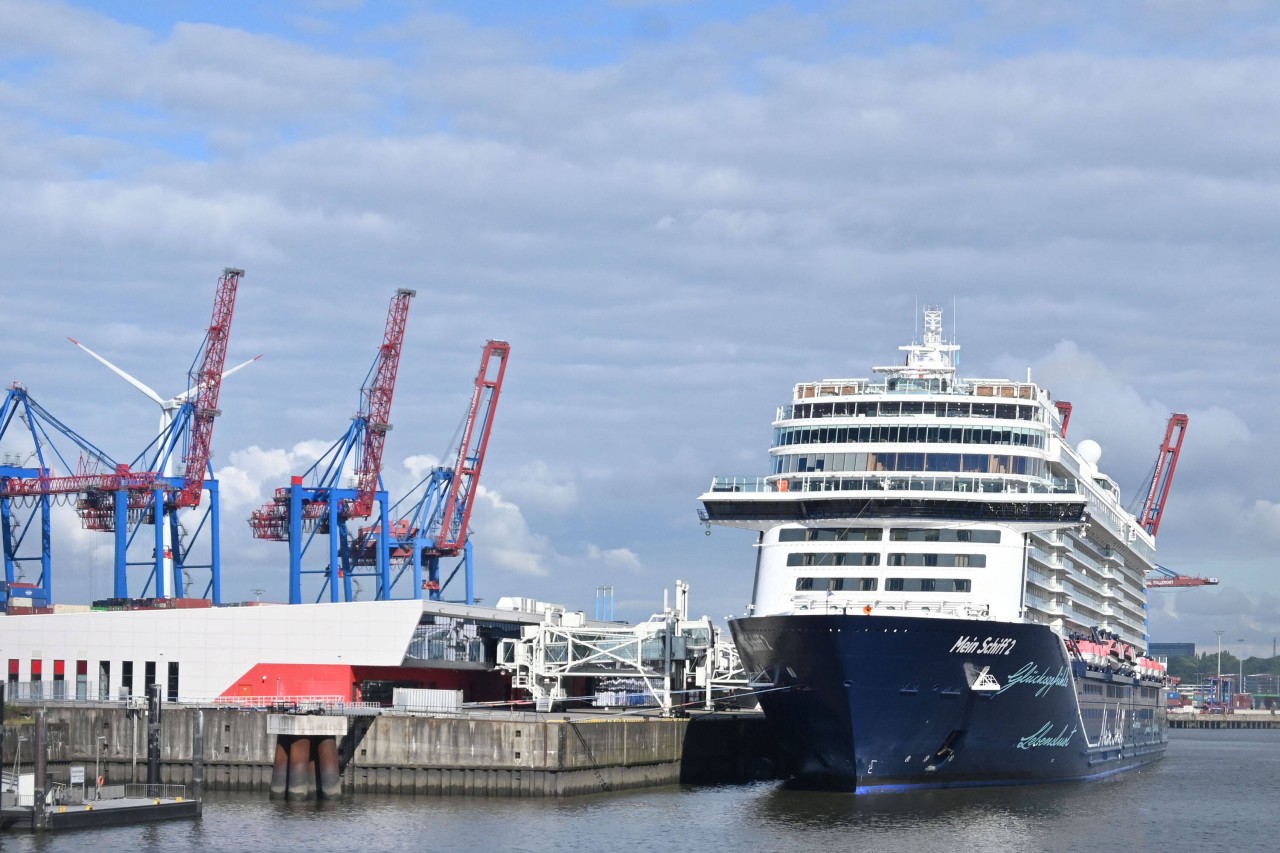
252 652
922 493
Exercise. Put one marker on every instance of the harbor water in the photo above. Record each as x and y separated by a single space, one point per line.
1214 791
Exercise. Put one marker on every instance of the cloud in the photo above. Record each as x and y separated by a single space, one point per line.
505 538
1264 517
614 559
1197 614
671 231
535 484
254 473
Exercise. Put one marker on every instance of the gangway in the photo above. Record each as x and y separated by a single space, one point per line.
667 657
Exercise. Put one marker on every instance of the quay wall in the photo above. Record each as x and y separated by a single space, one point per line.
522 755
1218 721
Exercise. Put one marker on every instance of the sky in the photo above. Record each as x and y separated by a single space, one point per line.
673 211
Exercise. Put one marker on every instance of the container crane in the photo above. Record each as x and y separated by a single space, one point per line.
166 455
435 525
1162 476
27 483
1153 506
299 511
1064 413
128 496
1163 578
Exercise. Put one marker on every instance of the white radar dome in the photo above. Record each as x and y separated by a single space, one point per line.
1090 451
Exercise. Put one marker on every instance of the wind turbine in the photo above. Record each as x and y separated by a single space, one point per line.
168 412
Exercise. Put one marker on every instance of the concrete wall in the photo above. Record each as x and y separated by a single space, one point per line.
520 756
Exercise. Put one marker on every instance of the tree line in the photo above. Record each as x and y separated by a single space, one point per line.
1195 669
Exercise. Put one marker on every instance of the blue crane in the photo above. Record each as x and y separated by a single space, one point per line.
122 499
29 489
433 517
316 503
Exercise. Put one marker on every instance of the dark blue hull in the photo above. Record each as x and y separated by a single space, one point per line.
877 703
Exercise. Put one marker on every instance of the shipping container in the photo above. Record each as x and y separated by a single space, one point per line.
422 699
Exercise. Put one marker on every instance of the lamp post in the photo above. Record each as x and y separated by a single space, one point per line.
17 755
1217 688
97 756
1240 686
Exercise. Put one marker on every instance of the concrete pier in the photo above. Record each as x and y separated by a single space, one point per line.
473 754
309 745
1220 721
49 804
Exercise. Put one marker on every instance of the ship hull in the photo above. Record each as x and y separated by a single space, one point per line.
880 703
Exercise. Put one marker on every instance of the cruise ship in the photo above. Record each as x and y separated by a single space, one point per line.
946 592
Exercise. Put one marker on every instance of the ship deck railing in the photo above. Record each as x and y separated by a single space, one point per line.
834 604
985 484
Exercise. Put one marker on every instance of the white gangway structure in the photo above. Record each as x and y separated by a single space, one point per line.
669 661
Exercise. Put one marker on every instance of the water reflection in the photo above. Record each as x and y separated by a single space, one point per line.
1172 805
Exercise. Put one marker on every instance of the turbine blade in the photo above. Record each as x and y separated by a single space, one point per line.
240 366
125 376
182 398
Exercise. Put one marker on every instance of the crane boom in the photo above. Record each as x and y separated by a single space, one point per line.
1162 477
376 404
123 478
207 382
1163 578
1064 412
452 535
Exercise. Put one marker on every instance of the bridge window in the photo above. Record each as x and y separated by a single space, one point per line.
976 561
838 558
837 584
933 534
928 585
830 534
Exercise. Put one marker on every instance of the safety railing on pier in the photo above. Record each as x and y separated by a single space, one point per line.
289 704
37 693
154 792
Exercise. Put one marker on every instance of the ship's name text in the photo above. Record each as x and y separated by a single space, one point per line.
1042 737
990 646
1031 674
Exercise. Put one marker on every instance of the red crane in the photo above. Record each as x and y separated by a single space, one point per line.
1162 477
376 405
1173 579
1064 410
452 535
437 523
207 380
317 503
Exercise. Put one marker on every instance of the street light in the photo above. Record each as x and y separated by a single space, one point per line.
97 755
16 756
1240 686
1217 688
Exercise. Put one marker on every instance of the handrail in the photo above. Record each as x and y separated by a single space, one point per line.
896 481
